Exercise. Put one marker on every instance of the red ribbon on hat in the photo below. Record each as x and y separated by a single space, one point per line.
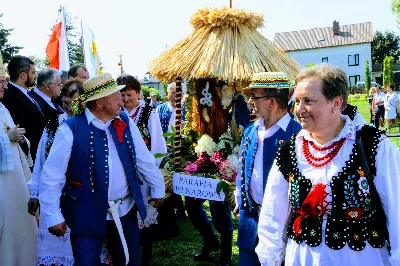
119 126
314 204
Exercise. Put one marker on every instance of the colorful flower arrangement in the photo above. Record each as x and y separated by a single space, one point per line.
206 158
214 159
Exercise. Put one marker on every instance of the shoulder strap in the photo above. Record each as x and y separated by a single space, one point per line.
124 117
350 111
283 157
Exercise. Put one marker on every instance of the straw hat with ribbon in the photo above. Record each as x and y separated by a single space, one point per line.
94 89
271 80
3 72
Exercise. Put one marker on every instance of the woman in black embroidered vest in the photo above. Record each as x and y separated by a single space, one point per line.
160 224
331 196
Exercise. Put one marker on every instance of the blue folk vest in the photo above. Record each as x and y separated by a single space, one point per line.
249 148
84 200
165 115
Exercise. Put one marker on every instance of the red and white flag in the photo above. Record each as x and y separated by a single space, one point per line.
57 48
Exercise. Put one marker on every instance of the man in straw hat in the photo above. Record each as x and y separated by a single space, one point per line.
90 180
260 141
18 229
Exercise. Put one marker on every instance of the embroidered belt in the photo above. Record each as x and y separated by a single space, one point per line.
74 182
113 210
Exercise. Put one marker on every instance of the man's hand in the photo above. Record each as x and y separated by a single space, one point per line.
59 229
33 205
236 211
156 202
16 134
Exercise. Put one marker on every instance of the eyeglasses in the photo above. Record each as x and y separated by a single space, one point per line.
3 82
253 98
120 80
59 85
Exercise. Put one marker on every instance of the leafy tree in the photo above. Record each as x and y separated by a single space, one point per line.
40 63
396 9
388 75
75 44
7 50
146 92
310 65
385 44
165 86
367 77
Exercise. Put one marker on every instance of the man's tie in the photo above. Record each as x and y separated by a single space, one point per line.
30 93
58 108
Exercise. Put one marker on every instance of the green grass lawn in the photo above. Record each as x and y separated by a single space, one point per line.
179 251
363 108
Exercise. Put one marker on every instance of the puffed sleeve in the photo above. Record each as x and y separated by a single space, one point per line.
273 219
387 182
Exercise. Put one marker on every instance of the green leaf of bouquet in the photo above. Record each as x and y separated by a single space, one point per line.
220 186
160 155
164 161
168 134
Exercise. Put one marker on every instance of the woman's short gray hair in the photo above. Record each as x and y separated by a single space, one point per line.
47 75
333 78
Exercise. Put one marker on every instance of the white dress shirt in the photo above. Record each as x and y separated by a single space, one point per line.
45 97
172 119
274 246
53 177
33 184
256 181
359 120
379 97
158 144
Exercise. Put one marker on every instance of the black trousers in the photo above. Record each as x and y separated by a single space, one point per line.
380 113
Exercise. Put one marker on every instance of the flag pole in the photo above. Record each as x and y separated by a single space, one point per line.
66 33
83 45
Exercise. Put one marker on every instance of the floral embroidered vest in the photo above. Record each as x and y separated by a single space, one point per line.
353 218
143 125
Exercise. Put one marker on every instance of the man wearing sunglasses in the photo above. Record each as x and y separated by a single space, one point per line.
260 141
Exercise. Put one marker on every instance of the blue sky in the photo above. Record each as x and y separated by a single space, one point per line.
141 30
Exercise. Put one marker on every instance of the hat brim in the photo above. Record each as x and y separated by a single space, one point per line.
105 93
267 87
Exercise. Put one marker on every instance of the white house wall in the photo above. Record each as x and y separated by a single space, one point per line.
337 56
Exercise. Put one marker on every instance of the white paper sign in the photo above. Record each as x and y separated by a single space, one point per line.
197 187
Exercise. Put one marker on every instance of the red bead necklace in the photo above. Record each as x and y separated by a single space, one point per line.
334 147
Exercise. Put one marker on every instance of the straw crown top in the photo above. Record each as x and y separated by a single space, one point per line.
270 80
226 17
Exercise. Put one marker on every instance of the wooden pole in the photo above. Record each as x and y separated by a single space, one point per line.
230 3
178 122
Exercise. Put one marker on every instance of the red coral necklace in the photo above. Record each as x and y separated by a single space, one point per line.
334 150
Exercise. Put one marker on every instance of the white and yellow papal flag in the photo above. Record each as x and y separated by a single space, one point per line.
91 53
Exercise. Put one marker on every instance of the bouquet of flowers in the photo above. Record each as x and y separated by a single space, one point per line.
206 158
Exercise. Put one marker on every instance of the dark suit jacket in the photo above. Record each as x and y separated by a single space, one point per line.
25 114
46 108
